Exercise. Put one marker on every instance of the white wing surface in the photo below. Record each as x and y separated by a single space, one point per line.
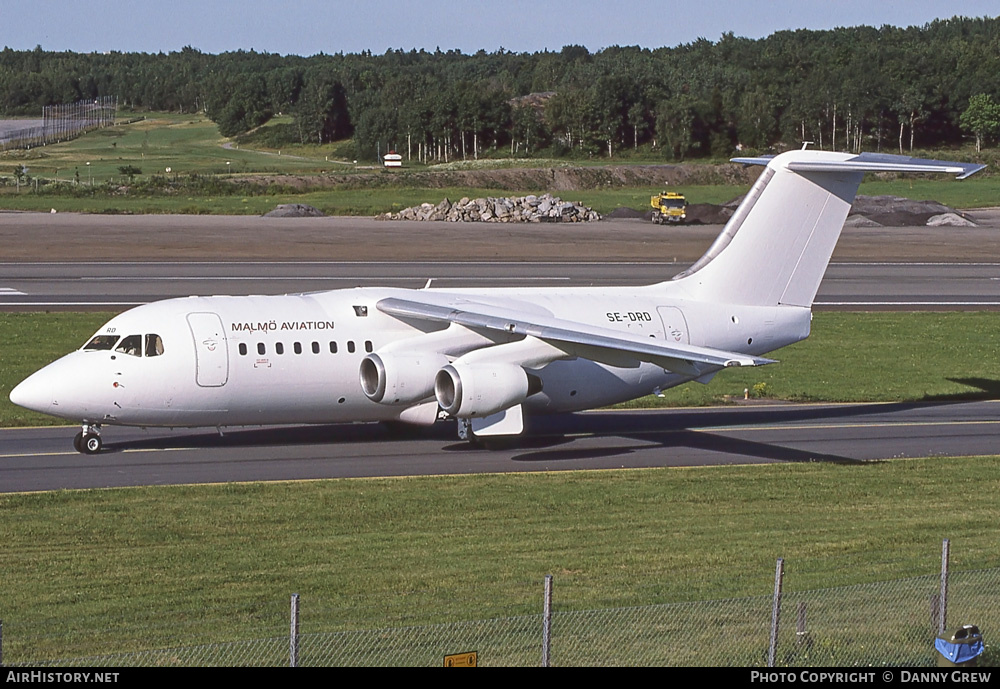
571 337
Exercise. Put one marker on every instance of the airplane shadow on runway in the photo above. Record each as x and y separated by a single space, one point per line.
556 438
692 429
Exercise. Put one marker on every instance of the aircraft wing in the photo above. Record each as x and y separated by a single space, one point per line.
571 337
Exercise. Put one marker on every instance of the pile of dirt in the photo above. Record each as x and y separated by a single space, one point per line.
624 212
876 205
708 214
896 211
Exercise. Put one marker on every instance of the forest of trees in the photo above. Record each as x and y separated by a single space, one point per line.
848 89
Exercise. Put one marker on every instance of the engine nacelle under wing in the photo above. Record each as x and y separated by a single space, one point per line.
470 391
400 378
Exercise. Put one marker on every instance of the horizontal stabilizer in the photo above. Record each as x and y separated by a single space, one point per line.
873 162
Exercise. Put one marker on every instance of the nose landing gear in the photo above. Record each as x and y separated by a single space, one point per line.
88 441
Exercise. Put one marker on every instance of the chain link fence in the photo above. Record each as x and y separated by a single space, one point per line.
892 623
60 123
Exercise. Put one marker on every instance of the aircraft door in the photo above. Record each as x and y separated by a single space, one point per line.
675 327
210 348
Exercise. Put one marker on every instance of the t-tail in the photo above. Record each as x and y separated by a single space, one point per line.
776 247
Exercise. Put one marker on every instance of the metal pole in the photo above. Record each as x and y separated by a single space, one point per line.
293 645
779 574
1 643
547 622
943 601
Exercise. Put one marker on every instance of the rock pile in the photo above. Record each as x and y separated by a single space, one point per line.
545 208
295 210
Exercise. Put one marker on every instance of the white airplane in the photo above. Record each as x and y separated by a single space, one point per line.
483 357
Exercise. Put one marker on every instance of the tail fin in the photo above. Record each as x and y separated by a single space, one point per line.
776 247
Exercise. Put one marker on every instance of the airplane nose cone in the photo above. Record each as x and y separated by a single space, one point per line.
32 394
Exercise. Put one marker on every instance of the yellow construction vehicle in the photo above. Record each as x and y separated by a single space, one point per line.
670 207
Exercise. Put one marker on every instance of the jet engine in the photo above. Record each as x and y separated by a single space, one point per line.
400 378
477 390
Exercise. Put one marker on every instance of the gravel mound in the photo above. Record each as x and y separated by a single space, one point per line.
860 221
295 210
949 220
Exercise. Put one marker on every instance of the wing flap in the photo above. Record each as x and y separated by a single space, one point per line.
573 338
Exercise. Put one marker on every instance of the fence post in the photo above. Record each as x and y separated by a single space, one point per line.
293 643
779 573
1 643
943 603
547 622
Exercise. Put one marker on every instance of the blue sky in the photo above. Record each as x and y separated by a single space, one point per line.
307 27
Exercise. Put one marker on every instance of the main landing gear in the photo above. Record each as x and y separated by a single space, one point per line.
88 441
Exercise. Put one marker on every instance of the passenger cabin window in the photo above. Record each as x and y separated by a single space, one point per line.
279 348
243 348
131 345
260 348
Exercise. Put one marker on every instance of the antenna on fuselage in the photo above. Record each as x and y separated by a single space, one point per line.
806 144
429 281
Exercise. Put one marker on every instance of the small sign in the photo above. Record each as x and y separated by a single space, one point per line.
461 659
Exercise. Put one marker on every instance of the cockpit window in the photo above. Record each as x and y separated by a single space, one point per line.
101 342
154 345
131 344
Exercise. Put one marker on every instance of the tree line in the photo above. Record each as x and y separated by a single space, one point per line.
847 89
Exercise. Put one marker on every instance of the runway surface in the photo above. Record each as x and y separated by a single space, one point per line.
922 285
72 261
43 458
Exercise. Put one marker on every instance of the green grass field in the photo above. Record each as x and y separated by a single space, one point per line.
184 143
108 571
